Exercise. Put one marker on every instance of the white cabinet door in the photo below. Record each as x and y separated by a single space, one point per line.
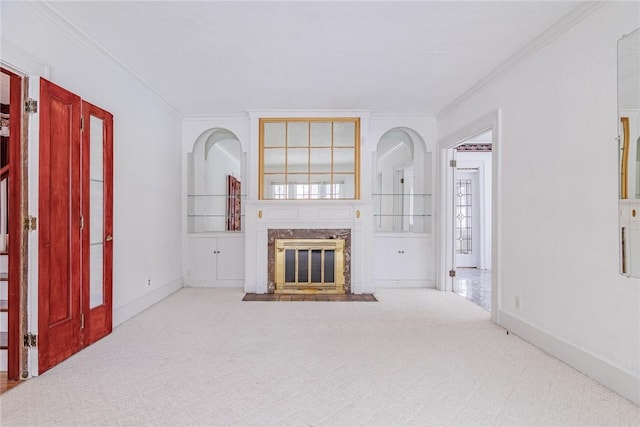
201 266
630 224
215 261
402 261
230 259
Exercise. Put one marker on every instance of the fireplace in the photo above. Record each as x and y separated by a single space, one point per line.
309 261
309 266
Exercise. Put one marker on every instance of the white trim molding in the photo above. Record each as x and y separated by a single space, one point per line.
138 305
82 39
22 61
620 381
548 36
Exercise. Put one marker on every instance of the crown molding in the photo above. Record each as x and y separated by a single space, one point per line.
381 116
552 33
213 117
313 113
82 39
17 59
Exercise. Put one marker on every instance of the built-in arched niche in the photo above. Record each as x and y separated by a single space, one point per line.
214 189
402 187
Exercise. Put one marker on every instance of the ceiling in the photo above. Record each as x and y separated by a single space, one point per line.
211 57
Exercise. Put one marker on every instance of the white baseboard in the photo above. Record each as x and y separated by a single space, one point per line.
399 284
126 312
360 288
216 284
620 381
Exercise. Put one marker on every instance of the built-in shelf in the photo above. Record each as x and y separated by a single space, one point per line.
399 212
210 212
4 305
4 277
4 340
4 253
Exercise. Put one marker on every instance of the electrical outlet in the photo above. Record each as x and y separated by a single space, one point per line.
516 303
149 282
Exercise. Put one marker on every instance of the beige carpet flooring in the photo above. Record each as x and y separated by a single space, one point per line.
416 357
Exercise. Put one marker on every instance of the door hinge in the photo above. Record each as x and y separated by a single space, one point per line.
81 123
452 273
81 222
31 106
30 223
30 340
453 163
82 321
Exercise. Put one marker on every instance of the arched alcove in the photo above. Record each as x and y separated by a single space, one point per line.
402 187
214 169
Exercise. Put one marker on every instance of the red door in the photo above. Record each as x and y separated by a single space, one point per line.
97 214
59 235
66 215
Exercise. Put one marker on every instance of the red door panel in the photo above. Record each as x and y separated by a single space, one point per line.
75 238
97 233
59 235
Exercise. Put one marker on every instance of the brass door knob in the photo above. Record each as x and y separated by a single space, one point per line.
108 238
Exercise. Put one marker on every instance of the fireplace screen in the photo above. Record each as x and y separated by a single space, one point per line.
309 266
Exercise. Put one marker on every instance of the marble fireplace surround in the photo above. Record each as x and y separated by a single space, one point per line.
294 233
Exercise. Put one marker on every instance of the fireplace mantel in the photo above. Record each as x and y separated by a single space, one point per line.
307 219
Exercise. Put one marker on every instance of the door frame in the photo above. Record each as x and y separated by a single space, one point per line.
444 204
31 69
17 251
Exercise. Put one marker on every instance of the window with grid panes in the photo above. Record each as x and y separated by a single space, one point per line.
309 158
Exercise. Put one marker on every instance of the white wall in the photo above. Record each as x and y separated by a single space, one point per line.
558 248
147 180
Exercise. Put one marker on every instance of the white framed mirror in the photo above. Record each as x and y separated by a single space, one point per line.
629 152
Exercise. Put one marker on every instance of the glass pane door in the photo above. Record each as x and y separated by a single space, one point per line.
96 212
97 222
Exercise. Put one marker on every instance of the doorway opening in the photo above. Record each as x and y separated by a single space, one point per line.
472 219
456 151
